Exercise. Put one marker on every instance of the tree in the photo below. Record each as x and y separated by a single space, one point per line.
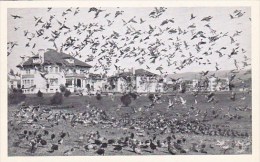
62 88
183 87
126 99
39 94
67 93
98 97
57 99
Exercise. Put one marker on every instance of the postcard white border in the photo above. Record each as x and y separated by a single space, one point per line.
255 16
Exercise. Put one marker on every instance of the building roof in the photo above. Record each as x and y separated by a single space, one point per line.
144 72
138 72
53 57
95 76
125 74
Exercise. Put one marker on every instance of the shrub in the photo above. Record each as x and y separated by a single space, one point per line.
88 87
14 90
133 95
151 97
126 99
67 93
16 97
98 97
62 88
183 88
231 86
57 99
39 94
20 90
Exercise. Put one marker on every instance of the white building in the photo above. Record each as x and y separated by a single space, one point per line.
147 82
50 69
139 80
95 83
211 84
14 82
218 84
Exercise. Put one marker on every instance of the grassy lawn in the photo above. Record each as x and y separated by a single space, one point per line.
224 112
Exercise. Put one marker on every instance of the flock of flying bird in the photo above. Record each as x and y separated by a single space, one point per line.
146 45
106 49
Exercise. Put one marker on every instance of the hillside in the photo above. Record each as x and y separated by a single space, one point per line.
243 74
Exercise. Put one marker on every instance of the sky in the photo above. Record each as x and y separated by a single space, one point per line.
133 49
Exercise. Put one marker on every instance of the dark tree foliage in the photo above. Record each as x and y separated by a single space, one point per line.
67 93
151 97
133 95
98 97
57 99
16 97
39 94
62 88
126 99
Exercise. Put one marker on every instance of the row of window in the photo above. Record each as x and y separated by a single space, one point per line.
27 90
52 69
30 71
28 81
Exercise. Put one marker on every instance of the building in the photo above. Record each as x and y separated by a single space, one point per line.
49 69
185 85
148 82
139 80
211 84
95 82
120 83
218 84
14 81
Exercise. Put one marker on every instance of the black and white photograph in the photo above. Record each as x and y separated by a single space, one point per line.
121 81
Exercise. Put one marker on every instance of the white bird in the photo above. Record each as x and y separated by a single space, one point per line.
137 149
170 104
183 101
220 143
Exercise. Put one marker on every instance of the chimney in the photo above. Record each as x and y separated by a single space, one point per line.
41 55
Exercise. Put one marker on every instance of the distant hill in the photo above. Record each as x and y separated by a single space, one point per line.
243 74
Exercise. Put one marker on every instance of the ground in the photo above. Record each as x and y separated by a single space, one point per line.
142 119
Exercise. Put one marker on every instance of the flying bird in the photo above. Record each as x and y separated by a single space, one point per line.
16 16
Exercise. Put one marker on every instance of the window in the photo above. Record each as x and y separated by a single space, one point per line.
81 71
36 60
54 82
25 82
27 71
31 82
68 82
